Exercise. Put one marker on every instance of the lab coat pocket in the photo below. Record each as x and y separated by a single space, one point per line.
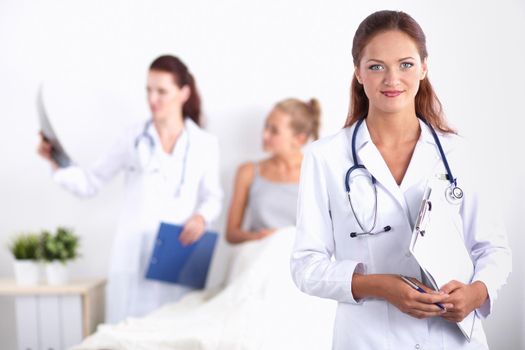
344 223
365 325
354 248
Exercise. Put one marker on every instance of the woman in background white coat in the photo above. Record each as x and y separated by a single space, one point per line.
171 174
377 309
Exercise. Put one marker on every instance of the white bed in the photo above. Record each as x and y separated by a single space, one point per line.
260 308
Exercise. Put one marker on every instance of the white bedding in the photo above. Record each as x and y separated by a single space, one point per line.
260 308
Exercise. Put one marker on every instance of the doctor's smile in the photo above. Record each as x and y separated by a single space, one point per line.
392 93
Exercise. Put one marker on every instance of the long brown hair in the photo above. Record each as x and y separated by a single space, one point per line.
427 103
181 77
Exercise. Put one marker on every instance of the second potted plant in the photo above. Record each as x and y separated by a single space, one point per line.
57 251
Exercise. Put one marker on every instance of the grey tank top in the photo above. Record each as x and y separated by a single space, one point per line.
271 204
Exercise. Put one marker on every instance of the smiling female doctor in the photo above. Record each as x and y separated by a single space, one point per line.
353 248
171 171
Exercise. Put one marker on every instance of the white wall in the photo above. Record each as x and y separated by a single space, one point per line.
245 55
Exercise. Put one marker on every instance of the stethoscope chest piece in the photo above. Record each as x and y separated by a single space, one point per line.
454 194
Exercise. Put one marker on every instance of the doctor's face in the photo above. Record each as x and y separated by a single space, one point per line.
165 98
390 70
278 135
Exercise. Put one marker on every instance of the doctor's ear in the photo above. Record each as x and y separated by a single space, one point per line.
185 93
424 69
356 74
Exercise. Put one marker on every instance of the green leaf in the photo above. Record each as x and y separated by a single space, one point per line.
62 246
25 246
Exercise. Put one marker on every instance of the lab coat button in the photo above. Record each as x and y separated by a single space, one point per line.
408 254
417 346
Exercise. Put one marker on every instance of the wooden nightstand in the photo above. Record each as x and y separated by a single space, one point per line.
55 317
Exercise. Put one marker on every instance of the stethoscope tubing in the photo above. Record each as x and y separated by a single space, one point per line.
454 191
144 135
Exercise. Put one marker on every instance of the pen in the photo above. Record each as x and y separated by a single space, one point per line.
418 288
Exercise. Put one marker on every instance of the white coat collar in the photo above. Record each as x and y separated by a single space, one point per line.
424 159
184 138
363 135
422 163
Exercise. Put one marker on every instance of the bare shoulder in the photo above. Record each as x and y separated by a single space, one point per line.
245 173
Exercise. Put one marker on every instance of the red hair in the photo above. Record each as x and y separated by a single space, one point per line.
427 103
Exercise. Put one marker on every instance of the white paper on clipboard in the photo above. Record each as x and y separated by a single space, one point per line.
58 153
438 246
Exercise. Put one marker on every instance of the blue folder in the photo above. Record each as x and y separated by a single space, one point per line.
174 263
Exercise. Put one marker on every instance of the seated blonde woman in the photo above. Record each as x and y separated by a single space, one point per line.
265 192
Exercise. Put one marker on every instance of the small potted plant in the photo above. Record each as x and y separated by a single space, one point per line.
25 250
57 251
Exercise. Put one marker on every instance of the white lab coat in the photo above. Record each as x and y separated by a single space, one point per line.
150 197
325 256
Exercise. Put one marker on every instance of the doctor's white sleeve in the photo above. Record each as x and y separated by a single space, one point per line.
87 182
485 237
313 269
209 204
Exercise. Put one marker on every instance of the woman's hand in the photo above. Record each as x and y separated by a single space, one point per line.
464 298
398 293
45 150
265 232
414 303
193 230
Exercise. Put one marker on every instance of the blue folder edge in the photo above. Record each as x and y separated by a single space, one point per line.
185 265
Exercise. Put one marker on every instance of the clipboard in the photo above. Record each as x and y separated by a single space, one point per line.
174 263
438 246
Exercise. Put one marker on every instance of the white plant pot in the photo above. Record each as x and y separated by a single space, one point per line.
27 272
57 273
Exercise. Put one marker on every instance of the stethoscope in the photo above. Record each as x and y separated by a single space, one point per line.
453 193
145 138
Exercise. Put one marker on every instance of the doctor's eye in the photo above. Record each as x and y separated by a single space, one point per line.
407 65
376 67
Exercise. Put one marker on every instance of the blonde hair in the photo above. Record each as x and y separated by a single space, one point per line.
305 116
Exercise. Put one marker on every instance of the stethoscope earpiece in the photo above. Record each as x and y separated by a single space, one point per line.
384 229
